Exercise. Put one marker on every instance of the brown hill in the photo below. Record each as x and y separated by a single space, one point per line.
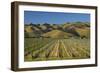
57 34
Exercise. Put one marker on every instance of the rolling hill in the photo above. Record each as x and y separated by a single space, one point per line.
57 34
81 30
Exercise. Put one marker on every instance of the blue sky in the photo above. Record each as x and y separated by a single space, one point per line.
38 17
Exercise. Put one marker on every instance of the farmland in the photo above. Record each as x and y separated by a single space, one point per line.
44 42
42 49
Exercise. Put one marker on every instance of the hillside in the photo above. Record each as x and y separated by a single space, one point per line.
56 34
66 30
84 33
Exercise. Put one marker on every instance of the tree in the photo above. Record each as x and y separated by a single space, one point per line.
31 23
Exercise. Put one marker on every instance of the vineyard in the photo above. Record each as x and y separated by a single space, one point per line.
41 49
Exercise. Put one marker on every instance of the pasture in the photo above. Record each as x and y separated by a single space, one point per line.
43 49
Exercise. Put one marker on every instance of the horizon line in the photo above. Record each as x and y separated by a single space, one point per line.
56 23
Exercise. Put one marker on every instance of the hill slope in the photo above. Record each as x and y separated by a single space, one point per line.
79 29
56 34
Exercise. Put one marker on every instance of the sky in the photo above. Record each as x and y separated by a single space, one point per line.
38 17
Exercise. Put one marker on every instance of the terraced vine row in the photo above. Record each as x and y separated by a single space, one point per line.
55 49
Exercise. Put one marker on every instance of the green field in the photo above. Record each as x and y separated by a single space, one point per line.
42 49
